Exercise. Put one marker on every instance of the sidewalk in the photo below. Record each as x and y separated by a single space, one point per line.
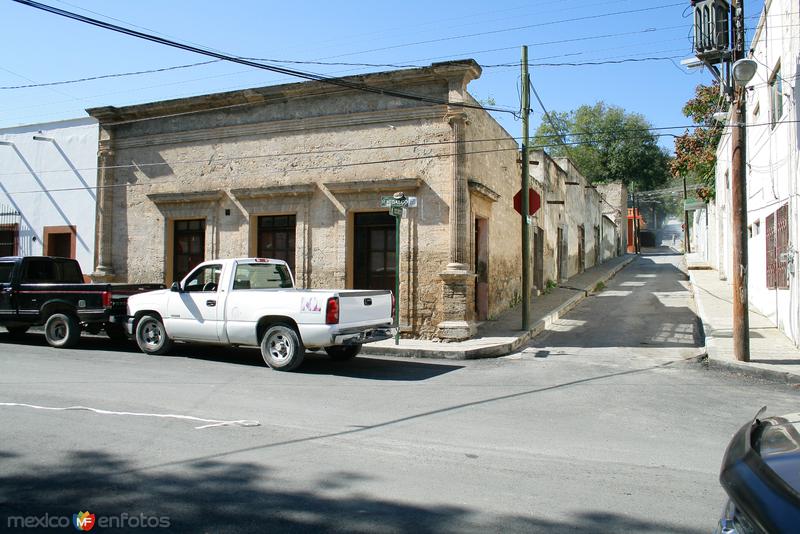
772 355
503 335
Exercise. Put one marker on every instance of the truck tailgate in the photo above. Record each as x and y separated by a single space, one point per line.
364 307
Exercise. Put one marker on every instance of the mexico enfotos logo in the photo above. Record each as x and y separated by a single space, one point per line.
86 521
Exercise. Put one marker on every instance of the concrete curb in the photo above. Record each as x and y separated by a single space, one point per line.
499 349
715 361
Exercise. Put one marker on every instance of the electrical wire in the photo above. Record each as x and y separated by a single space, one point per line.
339 82
281 172
504 30
557 137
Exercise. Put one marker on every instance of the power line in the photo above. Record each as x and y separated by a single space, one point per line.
293 169
339 82
504 30
559 138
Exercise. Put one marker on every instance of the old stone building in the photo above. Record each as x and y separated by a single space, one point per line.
297 172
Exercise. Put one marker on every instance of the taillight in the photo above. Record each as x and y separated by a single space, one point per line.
332 311
106 299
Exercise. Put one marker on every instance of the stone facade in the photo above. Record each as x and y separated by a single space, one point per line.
323 155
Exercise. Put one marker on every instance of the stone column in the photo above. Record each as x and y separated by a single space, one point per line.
458 281
104 225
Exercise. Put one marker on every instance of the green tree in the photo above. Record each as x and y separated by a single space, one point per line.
606 144
696 152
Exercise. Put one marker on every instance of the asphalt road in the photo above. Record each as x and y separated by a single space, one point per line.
604 424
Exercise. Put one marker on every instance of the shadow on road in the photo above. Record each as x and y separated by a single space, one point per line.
645 306
315 363
214 496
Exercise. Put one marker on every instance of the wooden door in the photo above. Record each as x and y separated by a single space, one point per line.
374 251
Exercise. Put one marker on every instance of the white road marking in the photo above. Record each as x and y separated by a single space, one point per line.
211 422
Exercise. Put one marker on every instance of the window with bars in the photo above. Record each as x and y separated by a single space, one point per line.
8 239
776 96
777 234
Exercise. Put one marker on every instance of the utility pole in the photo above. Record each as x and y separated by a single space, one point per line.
741 319
687 246
526 245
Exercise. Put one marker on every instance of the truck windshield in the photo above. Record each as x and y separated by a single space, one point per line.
262 276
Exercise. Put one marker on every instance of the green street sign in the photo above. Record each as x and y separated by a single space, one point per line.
396 211
405 202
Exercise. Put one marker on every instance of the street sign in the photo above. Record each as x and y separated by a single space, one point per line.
396 211
689 205
405 202
534 201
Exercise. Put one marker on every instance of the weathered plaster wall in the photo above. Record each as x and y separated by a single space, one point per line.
340 144
492 162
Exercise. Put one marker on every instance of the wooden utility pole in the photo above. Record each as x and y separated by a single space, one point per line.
741 319
525 200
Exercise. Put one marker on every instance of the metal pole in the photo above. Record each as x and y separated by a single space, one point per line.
741 319
637 245
687 246
526 245
397 278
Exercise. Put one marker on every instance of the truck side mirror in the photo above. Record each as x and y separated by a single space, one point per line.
176 287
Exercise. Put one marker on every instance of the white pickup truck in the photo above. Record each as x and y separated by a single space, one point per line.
253 302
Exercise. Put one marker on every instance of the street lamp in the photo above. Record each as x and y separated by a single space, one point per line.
744 70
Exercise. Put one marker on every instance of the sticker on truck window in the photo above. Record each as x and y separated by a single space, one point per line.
309 305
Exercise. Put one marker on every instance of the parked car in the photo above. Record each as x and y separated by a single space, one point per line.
253 302
50 291
761 475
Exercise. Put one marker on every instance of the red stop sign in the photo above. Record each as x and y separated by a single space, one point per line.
534 201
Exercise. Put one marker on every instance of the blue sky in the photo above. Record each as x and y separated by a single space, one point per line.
42 48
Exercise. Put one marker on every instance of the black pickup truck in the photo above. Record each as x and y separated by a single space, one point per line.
42 290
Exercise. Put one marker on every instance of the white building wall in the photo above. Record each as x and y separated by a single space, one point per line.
51 182
773 165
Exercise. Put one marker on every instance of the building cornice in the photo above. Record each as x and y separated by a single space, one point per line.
250 193
481 190
466 69
369 186
186 198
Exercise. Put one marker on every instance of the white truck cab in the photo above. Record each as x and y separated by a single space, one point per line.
253 302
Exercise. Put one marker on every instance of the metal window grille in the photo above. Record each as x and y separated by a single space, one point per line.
9 231
771 256
781 247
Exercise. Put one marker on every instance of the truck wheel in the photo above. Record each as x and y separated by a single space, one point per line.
62 331
116 332
341 353
281 348
151 336
17 331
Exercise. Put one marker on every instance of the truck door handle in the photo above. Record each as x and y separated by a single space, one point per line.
211 303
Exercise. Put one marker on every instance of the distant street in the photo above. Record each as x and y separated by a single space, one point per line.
606 423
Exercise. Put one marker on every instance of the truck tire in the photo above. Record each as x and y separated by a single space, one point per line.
17 330
341 353
151 336
62 331
115 332
281 348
